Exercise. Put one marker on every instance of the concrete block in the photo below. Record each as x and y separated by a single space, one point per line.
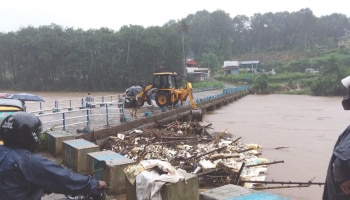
127 119
234 192
55 139
114 173
74 153
185 189
148 113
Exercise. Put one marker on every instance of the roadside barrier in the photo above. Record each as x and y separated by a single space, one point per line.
224 92
63 120
72 104
81 119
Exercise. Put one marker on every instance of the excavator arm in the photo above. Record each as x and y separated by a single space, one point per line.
190 95
196 114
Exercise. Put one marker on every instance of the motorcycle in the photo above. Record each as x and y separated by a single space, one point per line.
101 193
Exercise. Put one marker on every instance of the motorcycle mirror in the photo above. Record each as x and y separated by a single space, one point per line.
346 82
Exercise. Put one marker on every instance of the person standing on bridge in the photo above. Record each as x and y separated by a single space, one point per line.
151 94
24 175
132 93
89 99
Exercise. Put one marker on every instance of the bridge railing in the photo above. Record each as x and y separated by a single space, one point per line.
111 113
71 104
225 91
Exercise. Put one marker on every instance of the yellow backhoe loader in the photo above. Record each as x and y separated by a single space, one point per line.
169 94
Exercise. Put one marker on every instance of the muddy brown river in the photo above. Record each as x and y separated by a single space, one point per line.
306 126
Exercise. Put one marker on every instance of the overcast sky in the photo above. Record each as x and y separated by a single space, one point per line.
94 14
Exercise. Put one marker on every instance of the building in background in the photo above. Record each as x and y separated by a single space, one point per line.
195 72
235 67
231 67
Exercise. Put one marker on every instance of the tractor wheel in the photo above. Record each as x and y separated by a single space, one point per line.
162 99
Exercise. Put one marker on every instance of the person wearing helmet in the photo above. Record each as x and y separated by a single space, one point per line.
24 175
337 186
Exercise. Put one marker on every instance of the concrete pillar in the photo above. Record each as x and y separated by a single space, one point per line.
185 189
55 139
114 172
74 153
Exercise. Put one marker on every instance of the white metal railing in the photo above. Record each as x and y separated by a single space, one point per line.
83 118
71 104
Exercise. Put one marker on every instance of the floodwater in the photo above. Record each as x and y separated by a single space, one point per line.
306 126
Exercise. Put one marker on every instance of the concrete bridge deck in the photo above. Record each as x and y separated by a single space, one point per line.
164 117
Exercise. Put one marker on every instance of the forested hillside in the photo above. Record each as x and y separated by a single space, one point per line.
52 57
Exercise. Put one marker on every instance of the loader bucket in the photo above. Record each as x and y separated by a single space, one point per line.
196 115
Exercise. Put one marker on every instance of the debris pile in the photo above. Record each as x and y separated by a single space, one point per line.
217 158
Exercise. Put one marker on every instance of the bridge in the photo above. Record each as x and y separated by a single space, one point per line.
207 103
109 115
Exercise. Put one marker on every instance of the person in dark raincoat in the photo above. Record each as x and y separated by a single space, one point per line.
132 93
24 175
337 186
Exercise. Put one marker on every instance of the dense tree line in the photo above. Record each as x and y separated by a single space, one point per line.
52 57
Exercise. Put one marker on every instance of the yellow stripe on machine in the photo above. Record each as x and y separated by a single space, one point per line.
7 108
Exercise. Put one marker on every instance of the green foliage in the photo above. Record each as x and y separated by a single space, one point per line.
43 145
332 66
329 82
237 79
260 84
209 60
275 87
207 84
273 83
52 58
